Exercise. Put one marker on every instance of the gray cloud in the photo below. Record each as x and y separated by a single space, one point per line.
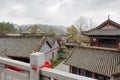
57 12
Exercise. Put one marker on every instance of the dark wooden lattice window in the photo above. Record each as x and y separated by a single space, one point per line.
101 77
74 70
88 74
81 72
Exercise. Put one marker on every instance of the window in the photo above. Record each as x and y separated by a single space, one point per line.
85 73
107 78
89 74
82 72
101 77
74 70
79 71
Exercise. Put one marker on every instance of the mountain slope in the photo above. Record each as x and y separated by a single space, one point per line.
43 27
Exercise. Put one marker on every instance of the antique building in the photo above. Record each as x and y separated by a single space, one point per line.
102 60
54 41
106 34
98 63
20 47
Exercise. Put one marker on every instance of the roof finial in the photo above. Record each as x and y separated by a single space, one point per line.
108 17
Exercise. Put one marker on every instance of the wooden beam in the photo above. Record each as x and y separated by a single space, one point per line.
117 43
91 41
97 42
94 75
70 69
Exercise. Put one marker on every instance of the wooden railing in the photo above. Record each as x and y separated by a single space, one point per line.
27 73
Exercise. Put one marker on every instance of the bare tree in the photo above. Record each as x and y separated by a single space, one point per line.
80 23
83 24
90 25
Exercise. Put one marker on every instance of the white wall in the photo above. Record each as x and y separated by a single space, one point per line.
56 51
44 49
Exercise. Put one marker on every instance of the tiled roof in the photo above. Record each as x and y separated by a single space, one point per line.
71 44
52 39
104 62
103 32
108 32
18 46
110 22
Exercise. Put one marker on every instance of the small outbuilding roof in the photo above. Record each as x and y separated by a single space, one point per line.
20 46
52 39
70 43
23 45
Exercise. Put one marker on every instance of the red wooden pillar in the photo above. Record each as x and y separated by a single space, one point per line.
91 41
117 43
94 75
70 69
97 42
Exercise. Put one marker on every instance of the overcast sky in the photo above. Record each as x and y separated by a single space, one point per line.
58 12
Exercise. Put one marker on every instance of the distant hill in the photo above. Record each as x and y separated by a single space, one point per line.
43 27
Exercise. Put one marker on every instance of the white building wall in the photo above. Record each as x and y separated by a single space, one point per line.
56 51
44 49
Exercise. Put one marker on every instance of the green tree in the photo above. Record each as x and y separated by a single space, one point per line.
71 32
34 29
51 32
7 27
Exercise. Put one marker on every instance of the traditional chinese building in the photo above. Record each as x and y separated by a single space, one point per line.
54 41
106 34
101 61
19 47
98 63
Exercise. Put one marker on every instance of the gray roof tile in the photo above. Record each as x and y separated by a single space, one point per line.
104 62
18 46
105 32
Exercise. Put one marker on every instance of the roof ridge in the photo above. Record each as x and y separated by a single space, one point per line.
70 55
38 46
108 21
54 39
100 48
7 36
